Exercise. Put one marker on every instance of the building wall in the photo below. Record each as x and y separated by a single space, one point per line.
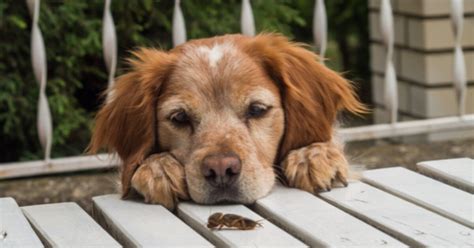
423 58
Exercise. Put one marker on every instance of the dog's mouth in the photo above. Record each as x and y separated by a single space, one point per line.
225 195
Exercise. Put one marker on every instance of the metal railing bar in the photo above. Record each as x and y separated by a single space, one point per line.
433 125
58 165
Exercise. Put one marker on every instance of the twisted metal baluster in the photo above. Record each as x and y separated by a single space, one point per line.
109 44
38 60
391 94
320 28
459 66
179 28
247 23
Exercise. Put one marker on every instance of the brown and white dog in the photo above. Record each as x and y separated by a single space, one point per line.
218 119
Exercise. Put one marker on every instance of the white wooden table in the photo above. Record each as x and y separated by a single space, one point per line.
388 207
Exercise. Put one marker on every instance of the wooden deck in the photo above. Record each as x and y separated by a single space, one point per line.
388 207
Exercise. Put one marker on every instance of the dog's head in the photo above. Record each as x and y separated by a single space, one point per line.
228 108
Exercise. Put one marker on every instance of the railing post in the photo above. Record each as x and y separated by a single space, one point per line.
320 28
38 60
459 66
391 94
179 28
109 44
247 23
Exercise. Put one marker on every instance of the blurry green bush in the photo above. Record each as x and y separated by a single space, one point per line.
76 71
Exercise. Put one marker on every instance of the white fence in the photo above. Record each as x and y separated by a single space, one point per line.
109 41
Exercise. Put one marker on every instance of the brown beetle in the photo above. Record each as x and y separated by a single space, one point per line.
220 220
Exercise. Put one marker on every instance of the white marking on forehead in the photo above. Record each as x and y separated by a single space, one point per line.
215 53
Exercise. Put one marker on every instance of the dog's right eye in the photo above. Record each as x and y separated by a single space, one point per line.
180 118
257 110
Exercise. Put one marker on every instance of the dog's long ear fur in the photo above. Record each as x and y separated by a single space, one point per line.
312 93
126 123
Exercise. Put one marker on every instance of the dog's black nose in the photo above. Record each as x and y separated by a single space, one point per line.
221 170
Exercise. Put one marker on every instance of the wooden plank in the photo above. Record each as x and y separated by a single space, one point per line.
448 201
67 225
135 224
318 223
406 221
466 122
456 172
58 165
268 235
15 231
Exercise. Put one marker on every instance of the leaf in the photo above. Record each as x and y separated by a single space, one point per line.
17 21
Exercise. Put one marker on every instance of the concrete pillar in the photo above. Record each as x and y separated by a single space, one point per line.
424 46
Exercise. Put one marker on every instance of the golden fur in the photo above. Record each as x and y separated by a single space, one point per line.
214 81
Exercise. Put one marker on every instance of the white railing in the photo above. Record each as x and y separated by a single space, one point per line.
459 70
392 129
320 28
179 29
390 94
109 44
38 61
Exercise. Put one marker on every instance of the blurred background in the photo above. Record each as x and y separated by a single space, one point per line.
76 69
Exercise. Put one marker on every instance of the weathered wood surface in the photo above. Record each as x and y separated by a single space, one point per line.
317 222
448 201
399 208
268 235
456 172
406 221
15 231
135 224
67 225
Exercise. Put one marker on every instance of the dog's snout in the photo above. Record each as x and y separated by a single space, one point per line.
221 170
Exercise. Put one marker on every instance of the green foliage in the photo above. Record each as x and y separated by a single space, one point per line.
76 71
72 50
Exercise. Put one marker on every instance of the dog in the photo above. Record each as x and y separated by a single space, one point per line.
220 119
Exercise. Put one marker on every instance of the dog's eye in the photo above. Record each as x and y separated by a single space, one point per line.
180 118
256 110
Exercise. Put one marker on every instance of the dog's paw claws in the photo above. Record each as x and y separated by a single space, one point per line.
342 179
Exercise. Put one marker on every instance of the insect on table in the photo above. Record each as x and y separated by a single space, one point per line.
220 220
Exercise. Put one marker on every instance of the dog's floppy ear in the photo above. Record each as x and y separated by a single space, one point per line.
312 94
126 123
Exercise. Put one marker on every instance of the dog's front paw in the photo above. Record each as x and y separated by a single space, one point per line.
316 167
160 179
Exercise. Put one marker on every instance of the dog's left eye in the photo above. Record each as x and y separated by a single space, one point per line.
180 118
256 110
